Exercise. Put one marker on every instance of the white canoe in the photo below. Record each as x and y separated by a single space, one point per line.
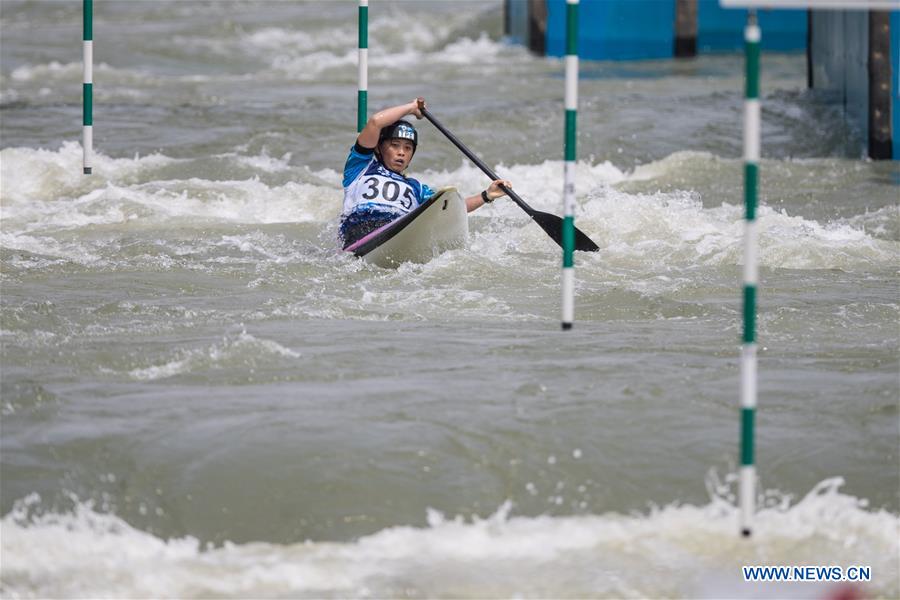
438 225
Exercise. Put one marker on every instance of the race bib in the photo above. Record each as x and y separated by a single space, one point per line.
378 189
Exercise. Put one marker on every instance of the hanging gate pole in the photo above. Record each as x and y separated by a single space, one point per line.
568 226
362 93
752 37
88 86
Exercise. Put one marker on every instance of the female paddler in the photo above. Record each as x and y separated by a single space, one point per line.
376 190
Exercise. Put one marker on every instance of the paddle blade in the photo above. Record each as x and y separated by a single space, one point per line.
553 225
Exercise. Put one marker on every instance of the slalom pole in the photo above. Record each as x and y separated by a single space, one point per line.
88 86
362 93
752 36
571 105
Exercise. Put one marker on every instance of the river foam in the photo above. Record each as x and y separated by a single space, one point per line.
635 229
635 555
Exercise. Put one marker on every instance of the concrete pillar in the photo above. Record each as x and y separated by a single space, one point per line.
880 142
685 28
537 26
809 48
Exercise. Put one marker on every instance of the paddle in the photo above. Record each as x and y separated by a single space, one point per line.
551 224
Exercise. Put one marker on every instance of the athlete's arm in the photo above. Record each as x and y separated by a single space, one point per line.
368 137
493 192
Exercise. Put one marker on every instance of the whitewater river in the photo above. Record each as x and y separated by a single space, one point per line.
202 397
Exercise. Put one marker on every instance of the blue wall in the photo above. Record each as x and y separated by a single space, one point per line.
722 29
635 29
615 30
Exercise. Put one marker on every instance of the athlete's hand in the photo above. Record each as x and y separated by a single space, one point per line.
418 105
494 190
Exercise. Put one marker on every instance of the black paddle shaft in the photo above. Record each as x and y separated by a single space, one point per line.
551 224
478 162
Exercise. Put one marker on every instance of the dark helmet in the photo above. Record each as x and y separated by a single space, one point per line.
401 129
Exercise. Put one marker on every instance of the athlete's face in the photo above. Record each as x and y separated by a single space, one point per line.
396 154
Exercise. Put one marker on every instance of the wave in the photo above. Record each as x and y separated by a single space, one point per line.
674 551
673 228
882 222
57 70
341 64
40 198
398 38
242 350
40 193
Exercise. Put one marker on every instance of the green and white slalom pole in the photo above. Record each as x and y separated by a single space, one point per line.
88 86
363 91
752 38
568 226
